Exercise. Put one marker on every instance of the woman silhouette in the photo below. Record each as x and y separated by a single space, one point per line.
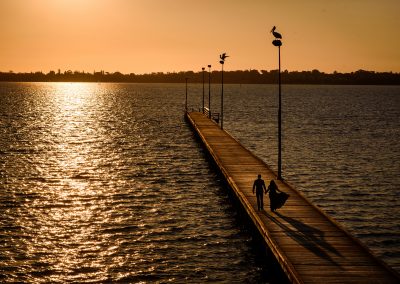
276 197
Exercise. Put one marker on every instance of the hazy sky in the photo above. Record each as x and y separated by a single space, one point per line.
142 36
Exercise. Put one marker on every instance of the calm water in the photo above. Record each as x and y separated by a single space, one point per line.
105 182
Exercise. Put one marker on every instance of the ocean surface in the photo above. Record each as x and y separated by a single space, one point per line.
107 183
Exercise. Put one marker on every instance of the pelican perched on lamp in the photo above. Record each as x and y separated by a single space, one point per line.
276 34
223 56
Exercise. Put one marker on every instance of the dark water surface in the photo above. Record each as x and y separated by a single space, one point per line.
340 147
105 182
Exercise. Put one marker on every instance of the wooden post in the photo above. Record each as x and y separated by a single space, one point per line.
222 96
186 96
203 89
279 120
209 91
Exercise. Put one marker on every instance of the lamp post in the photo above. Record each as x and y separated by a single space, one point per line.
186 97
223 56
203 88
209 91
277 42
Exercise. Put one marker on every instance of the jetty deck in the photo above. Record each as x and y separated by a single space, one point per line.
309 246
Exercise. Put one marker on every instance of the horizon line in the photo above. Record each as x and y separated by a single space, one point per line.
58 71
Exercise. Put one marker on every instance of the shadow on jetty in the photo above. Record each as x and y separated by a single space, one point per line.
307 236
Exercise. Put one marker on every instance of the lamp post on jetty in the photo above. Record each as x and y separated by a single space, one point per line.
223 56
209 91
186 98
203 88
277 42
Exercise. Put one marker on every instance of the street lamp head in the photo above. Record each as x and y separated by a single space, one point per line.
203 68
223 56
209 66
276 42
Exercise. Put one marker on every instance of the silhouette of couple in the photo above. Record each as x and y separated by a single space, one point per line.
276 197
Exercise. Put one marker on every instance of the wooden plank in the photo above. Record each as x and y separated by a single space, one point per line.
308 244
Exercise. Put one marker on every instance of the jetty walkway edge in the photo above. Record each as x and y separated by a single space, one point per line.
309 246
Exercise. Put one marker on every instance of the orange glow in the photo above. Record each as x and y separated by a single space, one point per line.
142 36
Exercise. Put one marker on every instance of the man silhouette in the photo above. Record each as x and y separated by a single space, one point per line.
260 188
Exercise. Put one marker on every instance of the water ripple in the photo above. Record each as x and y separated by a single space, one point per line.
106 183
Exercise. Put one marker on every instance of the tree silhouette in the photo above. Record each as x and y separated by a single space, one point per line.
360 77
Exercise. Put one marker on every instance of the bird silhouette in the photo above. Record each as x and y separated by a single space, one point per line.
276 34
223 56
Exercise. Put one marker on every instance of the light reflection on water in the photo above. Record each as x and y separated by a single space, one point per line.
105 182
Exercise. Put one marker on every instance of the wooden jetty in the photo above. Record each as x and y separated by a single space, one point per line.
309 246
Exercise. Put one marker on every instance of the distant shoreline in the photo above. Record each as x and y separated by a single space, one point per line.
360 77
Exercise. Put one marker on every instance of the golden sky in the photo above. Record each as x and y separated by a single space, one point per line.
142 36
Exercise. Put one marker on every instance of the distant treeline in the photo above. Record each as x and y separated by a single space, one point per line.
360 77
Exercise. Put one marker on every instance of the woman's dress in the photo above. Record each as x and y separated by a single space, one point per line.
277 199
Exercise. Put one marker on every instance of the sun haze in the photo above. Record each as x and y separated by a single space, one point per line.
143 36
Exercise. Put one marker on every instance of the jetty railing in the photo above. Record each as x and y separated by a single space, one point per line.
213 115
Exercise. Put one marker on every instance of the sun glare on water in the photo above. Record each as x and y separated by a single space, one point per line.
73 165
